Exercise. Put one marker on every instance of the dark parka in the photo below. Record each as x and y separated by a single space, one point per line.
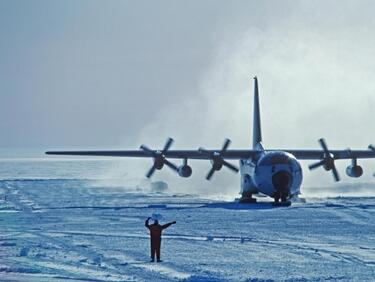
155 236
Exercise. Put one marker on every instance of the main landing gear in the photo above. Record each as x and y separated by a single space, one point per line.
247 198
284 199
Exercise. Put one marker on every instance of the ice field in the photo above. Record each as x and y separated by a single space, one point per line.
58 226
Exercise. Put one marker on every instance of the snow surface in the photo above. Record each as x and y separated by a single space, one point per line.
59 224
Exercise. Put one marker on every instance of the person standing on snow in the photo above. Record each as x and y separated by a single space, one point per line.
155 236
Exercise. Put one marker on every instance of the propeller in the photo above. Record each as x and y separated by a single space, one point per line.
328 161
217 160
372 148
159 158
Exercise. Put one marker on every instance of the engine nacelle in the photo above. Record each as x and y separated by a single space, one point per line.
184 170
354 171
158 163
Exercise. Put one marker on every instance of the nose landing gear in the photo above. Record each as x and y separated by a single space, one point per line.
281 181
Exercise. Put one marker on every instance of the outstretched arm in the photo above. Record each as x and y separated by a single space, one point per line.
146 222
168 224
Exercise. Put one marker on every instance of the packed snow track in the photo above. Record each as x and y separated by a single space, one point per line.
71 230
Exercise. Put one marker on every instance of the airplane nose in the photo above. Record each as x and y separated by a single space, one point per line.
282 181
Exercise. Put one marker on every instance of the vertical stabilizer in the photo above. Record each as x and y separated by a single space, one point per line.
257 132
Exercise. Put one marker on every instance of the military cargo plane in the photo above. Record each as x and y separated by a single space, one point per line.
276 173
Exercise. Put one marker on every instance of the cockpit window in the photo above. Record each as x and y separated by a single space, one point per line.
275 158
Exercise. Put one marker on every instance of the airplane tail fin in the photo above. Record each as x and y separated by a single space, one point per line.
257 132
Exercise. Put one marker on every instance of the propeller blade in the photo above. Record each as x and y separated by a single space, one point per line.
328 160
217 159
147 149
335 174
225 145
159 158
171 165
323 143
231 166
210 173
316 165
203 150
150 172
168 145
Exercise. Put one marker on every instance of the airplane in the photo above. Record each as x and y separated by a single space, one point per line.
276 173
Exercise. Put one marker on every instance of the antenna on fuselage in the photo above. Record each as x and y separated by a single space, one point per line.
257 132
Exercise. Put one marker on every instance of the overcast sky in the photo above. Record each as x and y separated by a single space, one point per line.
115 74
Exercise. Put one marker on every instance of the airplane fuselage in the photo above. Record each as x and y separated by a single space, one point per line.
277 174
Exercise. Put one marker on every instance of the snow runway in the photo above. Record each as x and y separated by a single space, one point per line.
70 230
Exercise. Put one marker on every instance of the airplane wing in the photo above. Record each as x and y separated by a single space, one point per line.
224 153
325 156
171 154
337 154
228 154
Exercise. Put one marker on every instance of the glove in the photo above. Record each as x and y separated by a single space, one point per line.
174 222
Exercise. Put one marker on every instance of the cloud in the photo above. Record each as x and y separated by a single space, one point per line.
117 75
316 80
